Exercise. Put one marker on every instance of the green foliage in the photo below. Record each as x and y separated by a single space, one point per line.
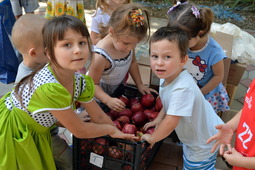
246 5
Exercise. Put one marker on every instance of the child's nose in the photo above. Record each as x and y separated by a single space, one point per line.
160 61
77 49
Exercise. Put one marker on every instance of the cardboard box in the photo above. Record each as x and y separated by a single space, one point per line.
231 89
235 73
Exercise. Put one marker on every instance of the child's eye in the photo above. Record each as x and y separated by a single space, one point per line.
154 56
67 45
83 43
167 57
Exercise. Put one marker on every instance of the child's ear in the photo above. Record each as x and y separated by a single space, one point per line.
32 52
111 31
201 34
46 54
184 60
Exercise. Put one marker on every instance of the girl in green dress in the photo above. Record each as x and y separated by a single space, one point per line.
48 94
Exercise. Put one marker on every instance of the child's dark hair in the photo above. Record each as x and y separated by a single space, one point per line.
172 34
130 19
53 31
191 19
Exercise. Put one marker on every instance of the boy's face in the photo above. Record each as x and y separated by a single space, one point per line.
72 52
165 59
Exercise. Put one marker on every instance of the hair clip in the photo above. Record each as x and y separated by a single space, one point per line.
176 5
195 12
137 17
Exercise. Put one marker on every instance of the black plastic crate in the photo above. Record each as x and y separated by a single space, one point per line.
116 154
126 155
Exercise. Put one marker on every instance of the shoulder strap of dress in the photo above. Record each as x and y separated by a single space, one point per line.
103 53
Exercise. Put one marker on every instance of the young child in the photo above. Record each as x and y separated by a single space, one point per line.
33 58
206 56
29 7
48 94
113 59
242 157
185 109
102 16
29 43
57 8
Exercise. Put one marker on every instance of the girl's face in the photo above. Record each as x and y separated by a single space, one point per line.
124 43
72 52
165 59
115 3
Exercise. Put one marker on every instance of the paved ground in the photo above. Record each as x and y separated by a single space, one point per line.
166 158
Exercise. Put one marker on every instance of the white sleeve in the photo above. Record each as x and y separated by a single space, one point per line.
181 102
94 24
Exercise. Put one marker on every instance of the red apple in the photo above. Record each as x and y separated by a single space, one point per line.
151 115
124 99
150 130
129 128
148 100
136 107
159 104
126 112
114 114
117 124
139 119
123 120
133 100
127 167
99 146
114 152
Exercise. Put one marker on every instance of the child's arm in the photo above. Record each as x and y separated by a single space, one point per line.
167 125
95 37
218 72
235 158
101 126
95 71
136 76
225 134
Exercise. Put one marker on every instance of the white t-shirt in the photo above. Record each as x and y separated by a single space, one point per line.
23 71
99 18
183 98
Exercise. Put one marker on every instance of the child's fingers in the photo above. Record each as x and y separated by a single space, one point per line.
214 137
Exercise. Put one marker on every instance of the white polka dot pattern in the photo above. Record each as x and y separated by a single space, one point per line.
43 77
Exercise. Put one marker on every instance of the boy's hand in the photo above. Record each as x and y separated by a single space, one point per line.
116 104
149 125
223 138
147 137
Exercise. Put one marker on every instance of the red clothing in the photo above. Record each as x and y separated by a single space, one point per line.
245 134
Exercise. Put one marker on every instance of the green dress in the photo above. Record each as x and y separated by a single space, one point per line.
25 140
